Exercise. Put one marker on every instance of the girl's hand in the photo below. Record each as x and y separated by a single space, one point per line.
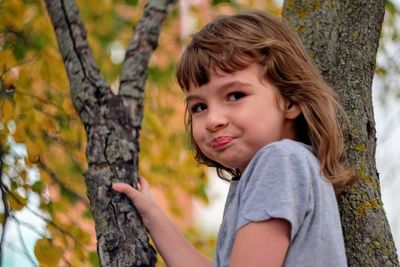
173 247
142 198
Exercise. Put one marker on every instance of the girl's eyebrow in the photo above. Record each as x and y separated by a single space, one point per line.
189 98
224 86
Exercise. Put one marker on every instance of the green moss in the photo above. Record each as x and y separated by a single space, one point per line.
366 206
316 5
299 28
303 13
356 35
331 4
368 179
353 130
289 3
363 165
376 245
359 148
386 250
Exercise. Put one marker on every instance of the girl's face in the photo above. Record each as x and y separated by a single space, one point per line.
236 114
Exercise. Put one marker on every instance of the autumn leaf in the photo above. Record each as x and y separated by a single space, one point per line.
15 201
47 253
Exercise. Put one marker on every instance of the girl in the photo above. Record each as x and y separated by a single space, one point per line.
258 111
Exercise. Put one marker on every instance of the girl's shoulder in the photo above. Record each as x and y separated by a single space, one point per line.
286 148
292 161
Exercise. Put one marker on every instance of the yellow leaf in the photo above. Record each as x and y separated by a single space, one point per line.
7 56
40 118
44 177
47 253
19 134
33 151
15 201
6 111
50 126
68 107
81 235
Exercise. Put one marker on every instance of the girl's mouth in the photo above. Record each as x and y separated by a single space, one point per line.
220 142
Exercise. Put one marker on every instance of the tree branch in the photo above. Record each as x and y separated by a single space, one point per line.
28 226
112 126
84 76
141 47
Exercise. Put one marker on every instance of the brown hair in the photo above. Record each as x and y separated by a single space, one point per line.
231 43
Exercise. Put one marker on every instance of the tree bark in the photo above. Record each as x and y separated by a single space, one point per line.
112 124
342 37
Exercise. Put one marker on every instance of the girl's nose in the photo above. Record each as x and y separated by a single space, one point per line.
216 120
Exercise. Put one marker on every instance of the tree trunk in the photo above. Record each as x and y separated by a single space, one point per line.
342 37
112 124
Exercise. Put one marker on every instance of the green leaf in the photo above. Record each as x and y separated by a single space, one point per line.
88 214
39 42
94 259
75 168
131 2
19 50
217 2
202 191
390 7
71 197
37 187
157 74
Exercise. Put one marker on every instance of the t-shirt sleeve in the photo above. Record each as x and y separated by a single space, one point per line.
277 185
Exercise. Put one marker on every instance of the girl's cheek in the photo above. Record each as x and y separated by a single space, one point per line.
196 132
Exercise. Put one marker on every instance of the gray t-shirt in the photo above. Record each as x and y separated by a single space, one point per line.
284 180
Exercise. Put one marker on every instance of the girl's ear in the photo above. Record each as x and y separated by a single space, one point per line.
292 111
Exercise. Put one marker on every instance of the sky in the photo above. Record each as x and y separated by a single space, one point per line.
388 157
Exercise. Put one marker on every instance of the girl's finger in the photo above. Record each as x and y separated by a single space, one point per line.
143 183
128 190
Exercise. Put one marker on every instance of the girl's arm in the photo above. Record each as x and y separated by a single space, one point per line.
262 243
170 243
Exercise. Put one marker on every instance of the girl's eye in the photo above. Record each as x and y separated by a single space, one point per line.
198 108
235 96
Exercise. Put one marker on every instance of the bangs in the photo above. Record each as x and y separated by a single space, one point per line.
200 60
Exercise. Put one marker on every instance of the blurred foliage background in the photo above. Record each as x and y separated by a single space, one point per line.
42 142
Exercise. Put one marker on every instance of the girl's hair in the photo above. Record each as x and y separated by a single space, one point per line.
233 42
